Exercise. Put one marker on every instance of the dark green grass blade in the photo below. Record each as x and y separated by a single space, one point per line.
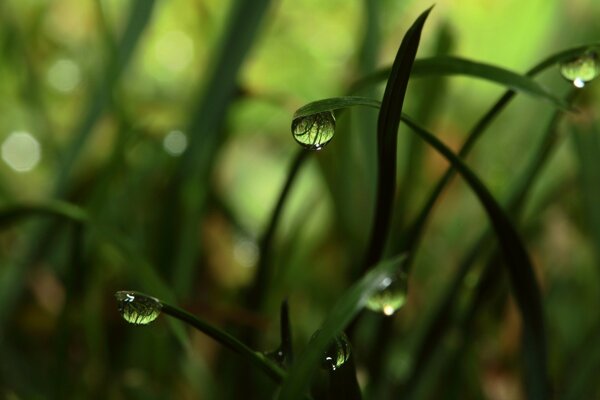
437 324
346 308
416 229
387 135
285 329
256 359
450 65
520 269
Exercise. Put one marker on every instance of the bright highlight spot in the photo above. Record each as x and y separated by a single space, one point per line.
174 50
175 143
578 83
246 252
64 75
388 310
21 151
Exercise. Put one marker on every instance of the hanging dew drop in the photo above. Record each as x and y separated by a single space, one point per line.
581 69
390 297
314 131
137 308
337 354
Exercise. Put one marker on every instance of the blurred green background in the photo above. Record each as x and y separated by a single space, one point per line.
128 110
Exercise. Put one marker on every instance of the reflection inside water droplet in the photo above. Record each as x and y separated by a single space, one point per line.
137 308
337 354
314 131
582 69
391 296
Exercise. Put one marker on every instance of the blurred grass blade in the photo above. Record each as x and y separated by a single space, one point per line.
520 269
387 135
139 17
140 269
205 133
345 309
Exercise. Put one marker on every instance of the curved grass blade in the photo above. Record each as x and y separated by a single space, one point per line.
254 358
438 321
520 269
387 135
450 65
346 308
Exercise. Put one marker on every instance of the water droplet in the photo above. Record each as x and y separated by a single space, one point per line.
391 296
314 131
582 69
338 352
138 308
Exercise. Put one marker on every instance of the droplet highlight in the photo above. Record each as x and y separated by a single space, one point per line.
391 295
138 308
337 354
314 131
582 69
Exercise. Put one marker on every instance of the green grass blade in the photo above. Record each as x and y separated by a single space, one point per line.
520 269
346 308
450 65
335 103
285 333
387 135
256 359
437 323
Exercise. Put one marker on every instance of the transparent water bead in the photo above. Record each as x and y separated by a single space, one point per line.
337 353
314 131
391 296
137 308
582 69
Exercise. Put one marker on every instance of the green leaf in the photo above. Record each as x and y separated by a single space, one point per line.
525 288
346 308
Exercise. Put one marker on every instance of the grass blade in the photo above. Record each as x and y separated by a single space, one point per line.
340 316
450 65
387 134
438 321
254 358
520 269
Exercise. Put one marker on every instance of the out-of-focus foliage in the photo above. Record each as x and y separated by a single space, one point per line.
99 103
